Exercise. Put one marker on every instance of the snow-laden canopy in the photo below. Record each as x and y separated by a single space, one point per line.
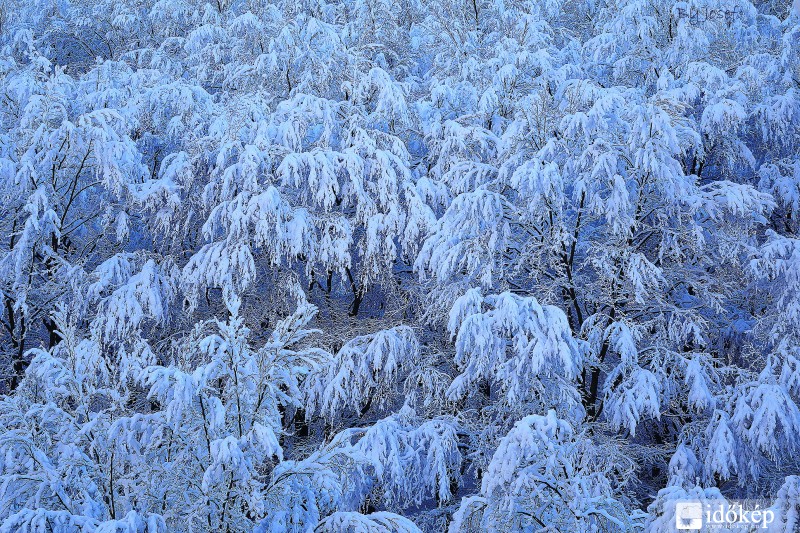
397 265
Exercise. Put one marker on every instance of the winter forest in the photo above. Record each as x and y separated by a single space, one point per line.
381 266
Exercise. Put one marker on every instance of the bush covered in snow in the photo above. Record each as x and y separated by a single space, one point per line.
397 265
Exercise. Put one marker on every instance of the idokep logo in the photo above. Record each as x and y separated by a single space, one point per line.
689 515
694 515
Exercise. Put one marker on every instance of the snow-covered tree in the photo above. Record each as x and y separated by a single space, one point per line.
397 265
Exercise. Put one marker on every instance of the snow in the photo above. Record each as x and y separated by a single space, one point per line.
383 265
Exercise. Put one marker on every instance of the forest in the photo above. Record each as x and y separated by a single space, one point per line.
398 266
